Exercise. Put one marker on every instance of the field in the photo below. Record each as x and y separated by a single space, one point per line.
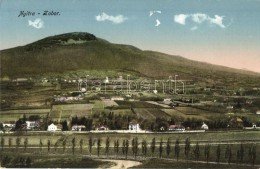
190 112
62 112
14 115
151 114
233 139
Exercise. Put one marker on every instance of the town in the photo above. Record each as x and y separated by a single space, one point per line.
127 104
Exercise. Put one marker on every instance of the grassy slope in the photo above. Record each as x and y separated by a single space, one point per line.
52 55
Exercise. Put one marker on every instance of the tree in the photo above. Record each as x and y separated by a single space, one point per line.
73 141
25 143
144 148
207 152
64 142
227 152
64 126
5 161
55 146
197 151
126 148
168 148
187 148
116 147
41 144
177 149
238 156
49 145
241 152
123 147
81 145
98 146
90 144
28 162
252 154
2 143
160 148
10 142
229 155
18 142
135 146
107 146
218 152
152 146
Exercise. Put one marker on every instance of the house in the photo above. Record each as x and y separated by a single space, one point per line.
176 128
167 99
204 126
257 112
254 127
78 128
230 107
102 128
9 124
117 98
31 125
133 125
52 127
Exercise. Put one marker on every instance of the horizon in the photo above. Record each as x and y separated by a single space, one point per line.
216 32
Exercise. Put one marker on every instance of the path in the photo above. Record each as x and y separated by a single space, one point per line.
123 163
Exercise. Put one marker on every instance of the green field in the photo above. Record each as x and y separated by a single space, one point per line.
14 115
190 112
64 111
233 139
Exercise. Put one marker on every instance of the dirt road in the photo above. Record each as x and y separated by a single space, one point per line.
120 164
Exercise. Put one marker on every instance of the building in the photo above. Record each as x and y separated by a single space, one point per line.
78 128
254 127
176 128
52 127
117 98
9 124
31 125
102 128
133 125
204 126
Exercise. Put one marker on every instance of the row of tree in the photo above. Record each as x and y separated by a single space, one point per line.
136 145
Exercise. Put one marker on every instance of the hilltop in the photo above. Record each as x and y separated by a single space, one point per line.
84 51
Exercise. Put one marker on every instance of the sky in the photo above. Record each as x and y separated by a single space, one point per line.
222 32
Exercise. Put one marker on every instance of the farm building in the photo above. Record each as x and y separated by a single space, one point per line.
133 125
78 128
254 127
117 98
204 126
31 125
52 127
8 124
102 128
176 128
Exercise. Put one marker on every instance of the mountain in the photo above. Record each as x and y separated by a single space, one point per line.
84 51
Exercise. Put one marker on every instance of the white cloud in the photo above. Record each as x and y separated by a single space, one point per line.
194 28
181 18
152 12
115 19
218 20
37 23
157 22
199 17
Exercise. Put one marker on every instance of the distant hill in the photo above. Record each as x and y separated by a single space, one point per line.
84 51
